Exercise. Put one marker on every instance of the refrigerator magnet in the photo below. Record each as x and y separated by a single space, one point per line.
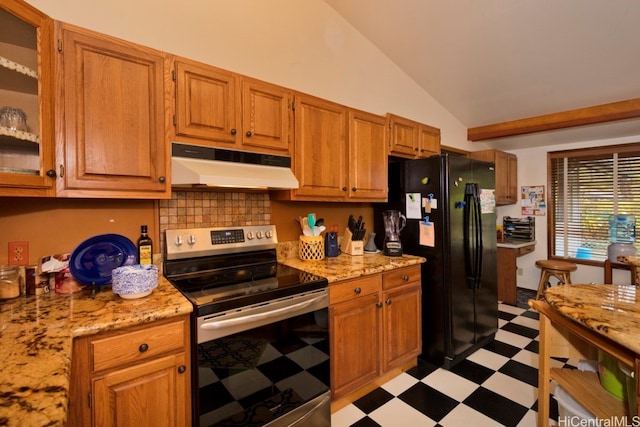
427 234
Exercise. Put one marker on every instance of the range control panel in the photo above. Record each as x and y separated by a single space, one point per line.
198 242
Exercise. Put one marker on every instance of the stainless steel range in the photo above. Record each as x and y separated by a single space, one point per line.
260 338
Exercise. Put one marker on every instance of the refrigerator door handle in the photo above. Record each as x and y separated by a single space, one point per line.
472 223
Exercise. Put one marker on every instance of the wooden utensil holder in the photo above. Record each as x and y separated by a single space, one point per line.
351 247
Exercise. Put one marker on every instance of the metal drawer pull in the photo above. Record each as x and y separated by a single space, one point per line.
378 304
405 278
143 348
388 301
357 290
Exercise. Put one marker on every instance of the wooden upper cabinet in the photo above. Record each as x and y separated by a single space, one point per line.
320 156
428 141
411 139
506 169
110 119
26 83
267 116
403 136
222 109
207 104
367 156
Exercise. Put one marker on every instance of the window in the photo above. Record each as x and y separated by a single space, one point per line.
587 188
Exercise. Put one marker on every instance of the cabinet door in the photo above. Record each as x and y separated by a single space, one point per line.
367 156
150 394
111 117
266 117
402 338
507 279
403 138
26 84
512 186
207 104
355 339
320 149
429 141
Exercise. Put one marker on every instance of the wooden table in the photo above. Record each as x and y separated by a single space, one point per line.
571 327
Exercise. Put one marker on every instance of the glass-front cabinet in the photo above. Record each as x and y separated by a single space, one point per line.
26 105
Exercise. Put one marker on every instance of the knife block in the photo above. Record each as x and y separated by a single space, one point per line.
351 247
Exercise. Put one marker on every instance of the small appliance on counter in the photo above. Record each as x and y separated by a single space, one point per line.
394 222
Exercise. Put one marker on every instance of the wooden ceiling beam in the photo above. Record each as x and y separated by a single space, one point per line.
581 116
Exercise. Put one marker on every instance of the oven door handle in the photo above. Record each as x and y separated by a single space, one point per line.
289 309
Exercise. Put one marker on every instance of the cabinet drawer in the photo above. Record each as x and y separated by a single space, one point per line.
350 289
525 250
131 347
401 276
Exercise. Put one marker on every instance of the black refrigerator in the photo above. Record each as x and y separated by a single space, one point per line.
459 285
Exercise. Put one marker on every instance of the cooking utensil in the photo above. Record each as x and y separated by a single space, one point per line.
311 220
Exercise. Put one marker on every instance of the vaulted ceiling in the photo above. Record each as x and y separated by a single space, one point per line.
493 61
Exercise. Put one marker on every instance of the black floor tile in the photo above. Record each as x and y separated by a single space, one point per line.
428 400
366 422
502 348
520 330
422 369
499 408
531 314
472 371
373 400
506 316
520 371
534 347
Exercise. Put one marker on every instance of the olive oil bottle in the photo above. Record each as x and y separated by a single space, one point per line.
145 247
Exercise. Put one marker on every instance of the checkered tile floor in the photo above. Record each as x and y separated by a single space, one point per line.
495 386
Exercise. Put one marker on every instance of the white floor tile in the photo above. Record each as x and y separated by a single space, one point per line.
346 416
527 321
488 358
462 415
529 420
511 309
528 358
450 384
513 389
399 384
512 339
398 413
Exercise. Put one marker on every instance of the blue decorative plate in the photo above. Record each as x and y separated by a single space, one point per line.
92 262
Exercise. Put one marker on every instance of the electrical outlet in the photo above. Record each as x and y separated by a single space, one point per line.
18 253
520 272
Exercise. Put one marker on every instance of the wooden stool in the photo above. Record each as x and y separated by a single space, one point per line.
561 270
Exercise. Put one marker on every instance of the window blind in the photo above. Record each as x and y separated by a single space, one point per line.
587 186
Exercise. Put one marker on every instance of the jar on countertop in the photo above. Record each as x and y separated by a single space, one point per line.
9 282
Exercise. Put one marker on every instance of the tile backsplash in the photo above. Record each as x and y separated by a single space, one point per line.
194 209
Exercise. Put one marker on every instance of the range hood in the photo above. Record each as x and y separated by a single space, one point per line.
194 165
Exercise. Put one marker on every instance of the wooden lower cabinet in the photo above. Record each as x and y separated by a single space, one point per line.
133 377
375 327
507 271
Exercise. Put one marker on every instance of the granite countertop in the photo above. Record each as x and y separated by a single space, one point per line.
610 310
36 335
346 266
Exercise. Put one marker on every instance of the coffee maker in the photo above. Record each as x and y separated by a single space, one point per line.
394 222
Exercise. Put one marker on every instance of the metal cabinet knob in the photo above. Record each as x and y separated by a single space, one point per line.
51 173
344 188
357 290
249 133
388 301
405 278
233 131
379 304
162 179
143 348
182 369
354 189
